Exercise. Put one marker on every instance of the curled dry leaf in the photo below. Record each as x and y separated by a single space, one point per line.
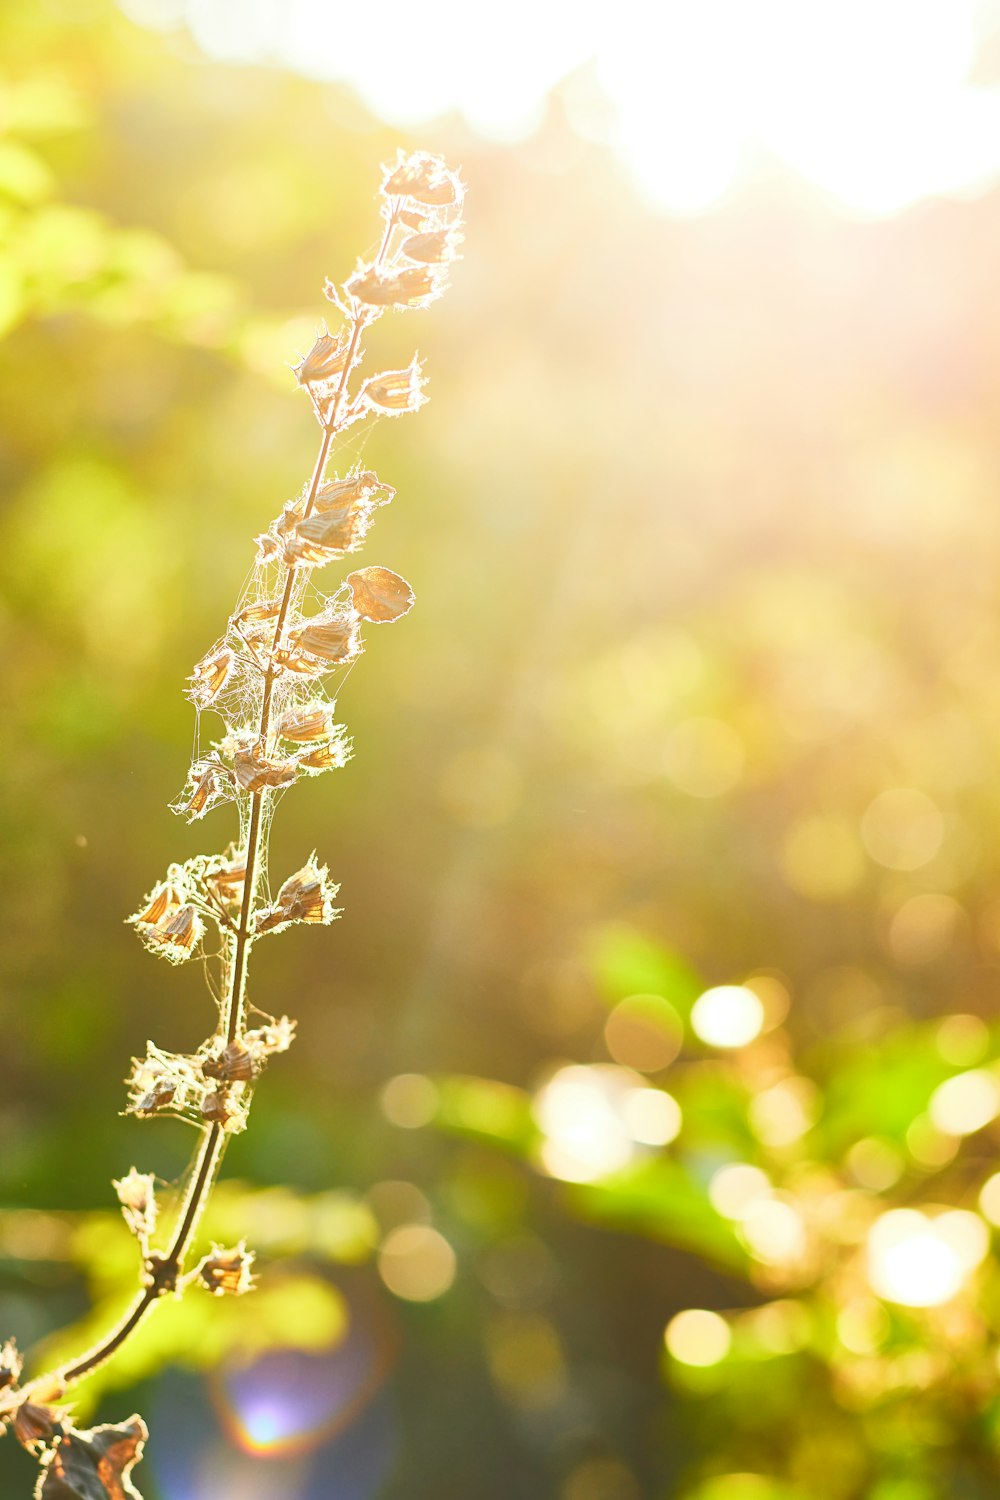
210 676
333 638
380 595
313 721
326 757
137 1197
167 926
226 875
395 391
306 896
207 785
94 1464
35 1416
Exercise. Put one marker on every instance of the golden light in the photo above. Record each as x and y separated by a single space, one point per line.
919 1261
868 99
735 1188
774 1233
409 1100
730 1015
962 1039
964 1104
989 1199
902 828
416 1263
644 1032
781 1115
593 1119
698 1337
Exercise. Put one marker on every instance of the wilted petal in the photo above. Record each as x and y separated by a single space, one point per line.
306 896
395 391
94 1464
380 595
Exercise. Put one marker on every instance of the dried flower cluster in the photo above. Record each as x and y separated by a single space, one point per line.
270 678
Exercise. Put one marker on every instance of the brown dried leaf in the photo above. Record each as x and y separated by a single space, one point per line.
329 757
94 1464
314 721
137 1197
233 1064
380 595
36 1418
227 878
333 638
210 676
207 785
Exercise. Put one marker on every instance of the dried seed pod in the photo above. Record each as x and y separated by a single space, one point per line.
380 595
333 638
94 1463
415 286
314 721
138 1200
255 772
233 1064
423 177
163 899
208 784
321 538
432 249
210 676
229 1271
326 359
11 1365
395 391
36 1418
363 485
227 878
306 896
330 757
276 1036
176 936
162 1082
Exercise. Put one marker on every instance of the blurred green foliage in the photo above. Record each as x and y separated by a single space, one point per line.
701 690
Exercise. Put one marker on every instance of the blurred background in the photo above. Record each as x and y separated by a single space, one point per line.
640 1138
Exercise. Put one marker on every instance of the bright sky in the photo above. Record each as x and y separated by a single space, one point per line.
868 99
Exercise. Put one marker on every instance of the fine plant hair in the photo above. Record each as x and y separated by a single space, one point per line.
270 678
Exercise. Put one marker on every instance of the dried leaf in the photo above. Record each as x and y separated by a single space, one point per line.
330 757
137 1197
363 485
395 391
227 877
94 1464
380 595
333 638
228 1270
413 287
423 177
36 1417
208 784
322 537
306 896
167 927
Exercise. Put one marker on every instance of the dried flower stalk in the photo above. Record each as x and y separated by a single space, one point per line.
268 678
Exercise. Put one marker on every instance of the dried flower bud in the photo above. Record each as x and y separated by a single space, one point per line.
255 772
210 676
306 896
395 391
138 1200
11 1365
326 359
234 1064
93 1464
433 249
328 534
380 595
413 287
423 177
166 927
228 1270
